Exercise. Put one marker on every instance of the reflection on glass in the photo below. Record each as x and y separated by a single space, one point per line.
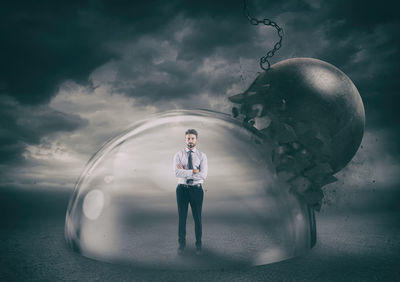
124 209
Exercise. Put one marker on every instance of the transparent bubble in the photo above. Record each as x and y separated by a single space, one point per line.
124 205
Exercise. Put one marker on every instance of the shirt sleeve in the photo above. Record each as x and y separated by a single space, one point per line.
180 173
202 175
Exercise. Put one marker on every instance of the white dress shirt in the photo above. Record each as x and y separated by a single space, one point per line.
199 161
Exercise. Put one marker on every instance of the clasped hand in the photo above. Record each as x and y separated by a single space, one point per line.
194 170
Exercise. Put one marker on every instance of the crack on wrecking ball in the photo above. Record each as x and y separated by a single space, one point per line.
310 114
304 166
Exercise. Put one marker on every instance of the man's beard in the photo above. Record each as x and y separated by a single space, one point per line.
191 145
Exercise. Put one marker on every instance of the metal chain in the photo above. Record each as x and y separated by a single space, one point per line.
267 22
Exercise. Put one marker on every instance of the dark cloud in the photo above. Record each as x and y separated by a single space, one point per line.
27 125
46 42
372 32
365 14
50 42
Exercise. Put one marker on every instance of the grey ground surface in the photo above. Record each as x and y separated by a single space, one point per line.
362 246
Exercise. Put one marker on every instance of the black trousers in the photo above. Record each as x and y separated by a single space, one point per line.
193 196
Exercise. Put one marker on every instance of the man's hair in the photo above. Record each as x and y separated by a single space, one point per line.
191 131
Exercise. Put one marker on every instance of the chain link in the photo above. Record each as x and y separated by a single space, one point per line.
268 22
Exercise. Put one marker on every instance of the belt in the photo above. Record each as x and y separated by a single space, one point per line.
191 186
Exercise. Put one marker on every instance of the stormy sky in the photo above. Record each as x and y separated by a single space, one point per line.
75 73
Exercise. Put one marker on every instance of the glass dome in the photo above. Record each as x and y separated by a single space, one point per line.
124 209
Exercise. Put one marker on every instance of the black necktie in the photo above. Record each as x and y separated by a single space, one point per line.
190 166
190 163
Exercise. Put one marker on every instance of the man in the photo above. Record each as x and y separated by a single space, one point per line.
190 167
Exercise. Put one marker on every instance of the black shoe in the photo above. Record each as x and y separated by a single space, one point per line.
199 251
181 250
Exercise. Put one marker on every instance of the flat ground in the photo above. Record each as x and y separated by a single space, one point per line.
362 246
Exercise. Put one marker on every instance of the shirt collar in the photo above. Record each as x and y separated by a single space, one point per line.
194 149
